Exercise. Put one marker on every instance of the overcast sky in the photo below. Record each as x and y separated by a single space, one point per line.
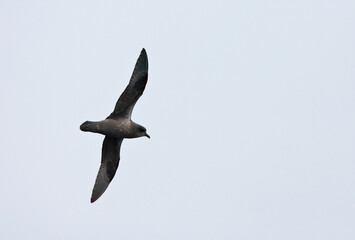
249 105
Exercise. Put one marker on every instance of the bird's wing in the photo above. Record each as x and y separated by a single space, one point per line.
134 89
110 159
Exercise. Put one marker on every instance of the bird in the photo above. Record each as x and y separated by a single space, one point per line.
118 126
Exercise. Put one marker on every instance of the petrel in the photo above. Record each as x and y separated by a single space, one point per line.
118 126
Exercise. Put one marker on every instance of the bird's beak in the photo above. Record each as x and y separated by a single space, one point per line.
146 134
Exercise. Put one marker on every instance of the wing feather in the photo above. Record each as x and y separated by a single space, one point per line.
134 89
110 159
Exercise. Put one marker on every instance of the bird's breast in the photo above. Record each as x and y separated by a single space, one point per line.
116 128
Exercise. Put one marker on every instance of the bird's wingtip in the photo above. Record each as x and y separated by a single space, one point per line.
142 61
93 199
144 51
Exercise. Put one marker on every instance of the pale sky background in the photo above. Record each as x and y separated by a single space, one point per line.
250 106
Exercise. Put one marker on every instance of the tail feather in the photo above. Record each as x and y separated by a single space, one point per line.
87 126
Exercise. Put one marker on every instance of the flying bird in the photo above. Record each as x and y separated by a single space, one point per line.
118 125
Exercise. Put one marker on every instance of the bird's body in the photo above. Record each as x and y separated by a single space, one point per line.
118 125
120 128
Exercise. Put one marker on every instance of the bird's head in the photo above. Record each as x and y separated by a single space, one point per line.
141 131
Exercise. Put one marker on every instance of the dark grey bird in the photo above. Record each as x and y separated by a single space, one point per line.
118 126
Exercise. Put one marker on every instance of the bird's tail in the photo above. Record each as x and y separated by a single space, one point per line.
88 126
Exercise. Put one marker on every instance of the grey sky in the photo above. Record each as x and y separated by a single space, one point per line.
249 104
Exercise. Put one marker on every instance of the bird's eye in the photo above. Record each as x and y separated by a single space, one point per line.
141 129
